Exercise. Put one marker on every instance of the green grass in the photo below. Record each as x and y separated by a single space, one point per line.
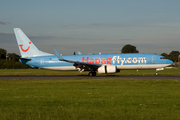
92 99
41 72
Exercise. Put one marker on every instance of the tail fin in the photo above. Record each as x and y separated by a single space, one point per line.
26 47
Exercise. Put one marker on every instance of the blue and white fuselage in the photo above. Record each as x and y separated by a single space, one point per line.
122 61
103 63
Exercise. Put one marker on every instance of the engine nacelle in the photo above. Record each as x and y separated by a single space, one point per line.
108 69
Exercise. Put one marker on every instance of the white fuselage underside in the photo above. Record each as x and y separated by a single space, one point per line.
121 67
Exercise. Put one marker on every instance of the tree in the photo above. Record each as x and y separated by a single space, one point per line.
2 53
12 63
165 55
14 56
129 49
174 56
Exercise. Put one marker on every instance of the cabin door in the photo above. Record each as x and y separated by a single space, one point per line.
153 59
42 62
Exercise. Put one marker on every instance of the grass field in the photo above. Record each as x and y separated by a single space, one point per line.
92 99
89 99
41 72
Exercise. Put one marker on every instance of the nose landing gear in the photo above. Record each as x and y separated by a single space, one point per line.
158 69
157 74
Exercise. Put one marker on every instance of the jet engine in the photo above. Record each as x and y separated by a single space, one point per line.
108 69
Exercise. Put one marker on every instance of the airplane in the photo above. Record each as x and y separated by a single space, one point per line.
101 63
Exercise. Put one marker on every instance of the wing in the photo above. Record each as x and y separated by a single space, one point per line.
81 65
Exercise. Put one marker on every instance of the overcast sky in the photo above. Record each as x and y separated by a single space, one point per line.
92 26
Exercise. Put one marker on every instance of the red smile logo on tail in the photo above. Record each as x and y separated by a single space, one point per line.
23 49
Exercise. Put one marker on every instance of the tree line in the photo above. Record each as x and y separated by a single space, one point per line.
14 63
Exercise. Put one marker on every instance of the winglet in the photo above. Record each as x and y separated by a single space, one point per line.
79 53
59 56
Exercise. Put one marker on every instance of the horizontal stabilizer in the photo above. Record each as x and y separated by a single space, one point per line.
27 59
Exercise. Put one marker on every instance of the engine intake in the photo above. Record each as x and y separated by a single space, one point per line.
108 69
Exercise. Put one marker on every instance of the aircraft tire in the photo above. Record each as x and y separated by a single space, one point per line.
92 74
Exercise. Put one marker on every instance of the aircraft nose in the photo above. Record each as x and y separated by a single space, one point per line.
170 62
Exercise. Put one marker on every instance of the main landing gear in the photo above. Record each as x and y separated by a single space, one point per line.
92 73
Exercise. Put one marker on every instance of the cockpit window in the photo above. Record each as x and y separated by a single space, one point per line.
163 58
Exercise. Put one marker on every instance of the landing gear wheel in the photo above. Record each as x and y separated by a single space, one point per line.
157 74
92 74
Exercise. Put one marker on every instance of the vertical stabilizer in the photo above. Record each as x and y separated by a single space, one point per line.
26 47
